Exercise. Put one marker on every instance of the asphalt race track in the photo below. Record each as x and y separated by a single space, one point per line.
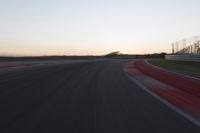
94 96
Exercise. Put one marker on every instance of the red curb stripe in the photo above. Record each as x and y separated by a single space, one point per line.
188 102
187 84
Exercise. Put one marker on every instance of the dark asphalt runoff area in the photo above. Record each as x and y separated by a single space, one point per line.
94 97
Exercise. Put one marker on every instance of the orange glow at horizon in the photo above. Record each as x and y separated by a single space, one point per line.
95 28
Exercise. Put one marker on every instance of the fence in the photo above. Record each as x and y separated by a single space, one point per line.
192 49
187 46
186 50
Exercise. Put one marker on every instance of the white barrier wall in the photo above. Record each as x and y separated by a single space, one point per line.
183 57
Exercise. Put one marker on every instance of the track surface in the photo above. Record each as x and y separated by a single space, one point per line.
83 97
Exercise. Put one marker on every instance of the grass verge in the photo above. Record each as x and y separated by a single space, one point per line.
184 67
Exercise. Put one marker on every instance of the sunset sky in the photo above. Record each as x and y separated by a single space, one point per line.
95 27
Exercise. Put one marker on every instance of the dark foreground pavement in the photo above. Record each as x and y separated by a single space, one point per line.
83 97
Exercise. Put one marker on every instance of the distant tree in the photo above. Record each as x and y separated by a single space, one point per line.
162 55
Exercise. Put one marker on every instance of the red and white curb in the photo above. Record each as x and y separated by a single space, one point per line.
180 101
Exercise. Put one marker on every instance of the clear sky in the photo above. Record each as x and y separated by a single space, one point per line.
81 27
